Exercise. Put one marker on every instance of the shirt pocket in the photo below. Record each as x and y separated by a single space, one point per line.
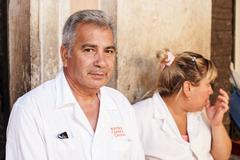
121 149
67 149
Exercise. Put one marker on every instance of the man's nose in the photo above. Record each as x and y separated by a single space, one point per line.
100 59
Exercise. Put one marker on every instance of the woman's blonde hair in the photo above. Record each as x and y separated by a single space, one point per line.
187 66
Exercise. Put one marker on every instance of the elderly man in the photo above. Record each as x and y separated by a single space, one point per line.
74 117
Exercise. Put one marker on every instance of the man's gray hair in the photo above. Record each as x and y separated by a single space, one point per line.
97 17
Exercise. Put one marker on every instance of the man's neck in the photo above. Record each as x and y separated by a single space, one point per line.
88 100
79 90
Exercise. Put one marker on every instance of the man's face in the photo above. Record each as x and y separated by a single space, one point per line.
92 58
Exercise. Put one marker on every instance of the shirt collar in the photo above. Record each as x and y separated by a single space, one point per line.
65 96
106 99
64 93
160 108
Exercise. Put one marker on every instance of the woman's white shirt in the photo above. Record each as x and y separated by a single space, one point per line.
161 138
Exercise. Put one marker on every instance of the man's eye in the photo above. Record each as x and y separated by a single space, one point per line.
88 50
110 51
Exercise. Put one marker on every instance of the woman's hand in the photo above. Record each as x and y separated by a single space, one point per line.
216 112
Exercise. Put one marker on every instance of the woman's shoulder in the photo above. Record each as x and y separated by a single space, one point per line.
143 107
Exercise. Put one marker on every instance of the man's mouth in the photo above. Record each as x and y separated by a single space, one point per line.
97 75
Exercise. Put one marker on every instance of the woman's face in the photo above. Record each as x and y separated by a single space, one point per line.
199 95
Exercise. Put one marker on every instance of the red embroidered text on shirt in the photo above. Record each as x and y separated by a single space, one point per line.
117 131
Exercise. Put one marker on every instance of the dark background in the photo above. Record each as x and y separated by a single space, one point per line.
4 94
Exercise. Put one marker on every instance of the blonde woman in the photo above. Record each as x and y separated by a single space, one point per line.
178 122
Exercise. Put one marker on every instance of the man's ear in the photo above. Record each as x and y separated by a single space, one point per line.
64 55
187 87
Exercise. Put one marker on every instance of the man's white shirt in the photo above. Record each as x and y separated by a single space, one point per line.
47 123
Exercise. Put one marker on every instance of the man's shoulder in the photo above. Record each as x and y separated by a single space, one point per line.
114 93
42 89
41 93
116 97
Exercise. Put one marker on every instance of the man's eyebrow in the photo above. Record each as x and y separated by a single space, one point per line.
95 46
111 47
89 45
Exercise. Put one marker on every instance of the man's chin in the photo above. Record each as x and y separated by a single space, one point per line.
97 84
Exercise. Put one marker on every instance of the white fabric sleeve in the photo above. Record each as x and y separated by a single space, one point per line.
137 149
24 134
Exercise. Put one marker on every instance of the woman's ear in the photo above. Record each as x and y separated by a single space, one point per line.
64 55
187 87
